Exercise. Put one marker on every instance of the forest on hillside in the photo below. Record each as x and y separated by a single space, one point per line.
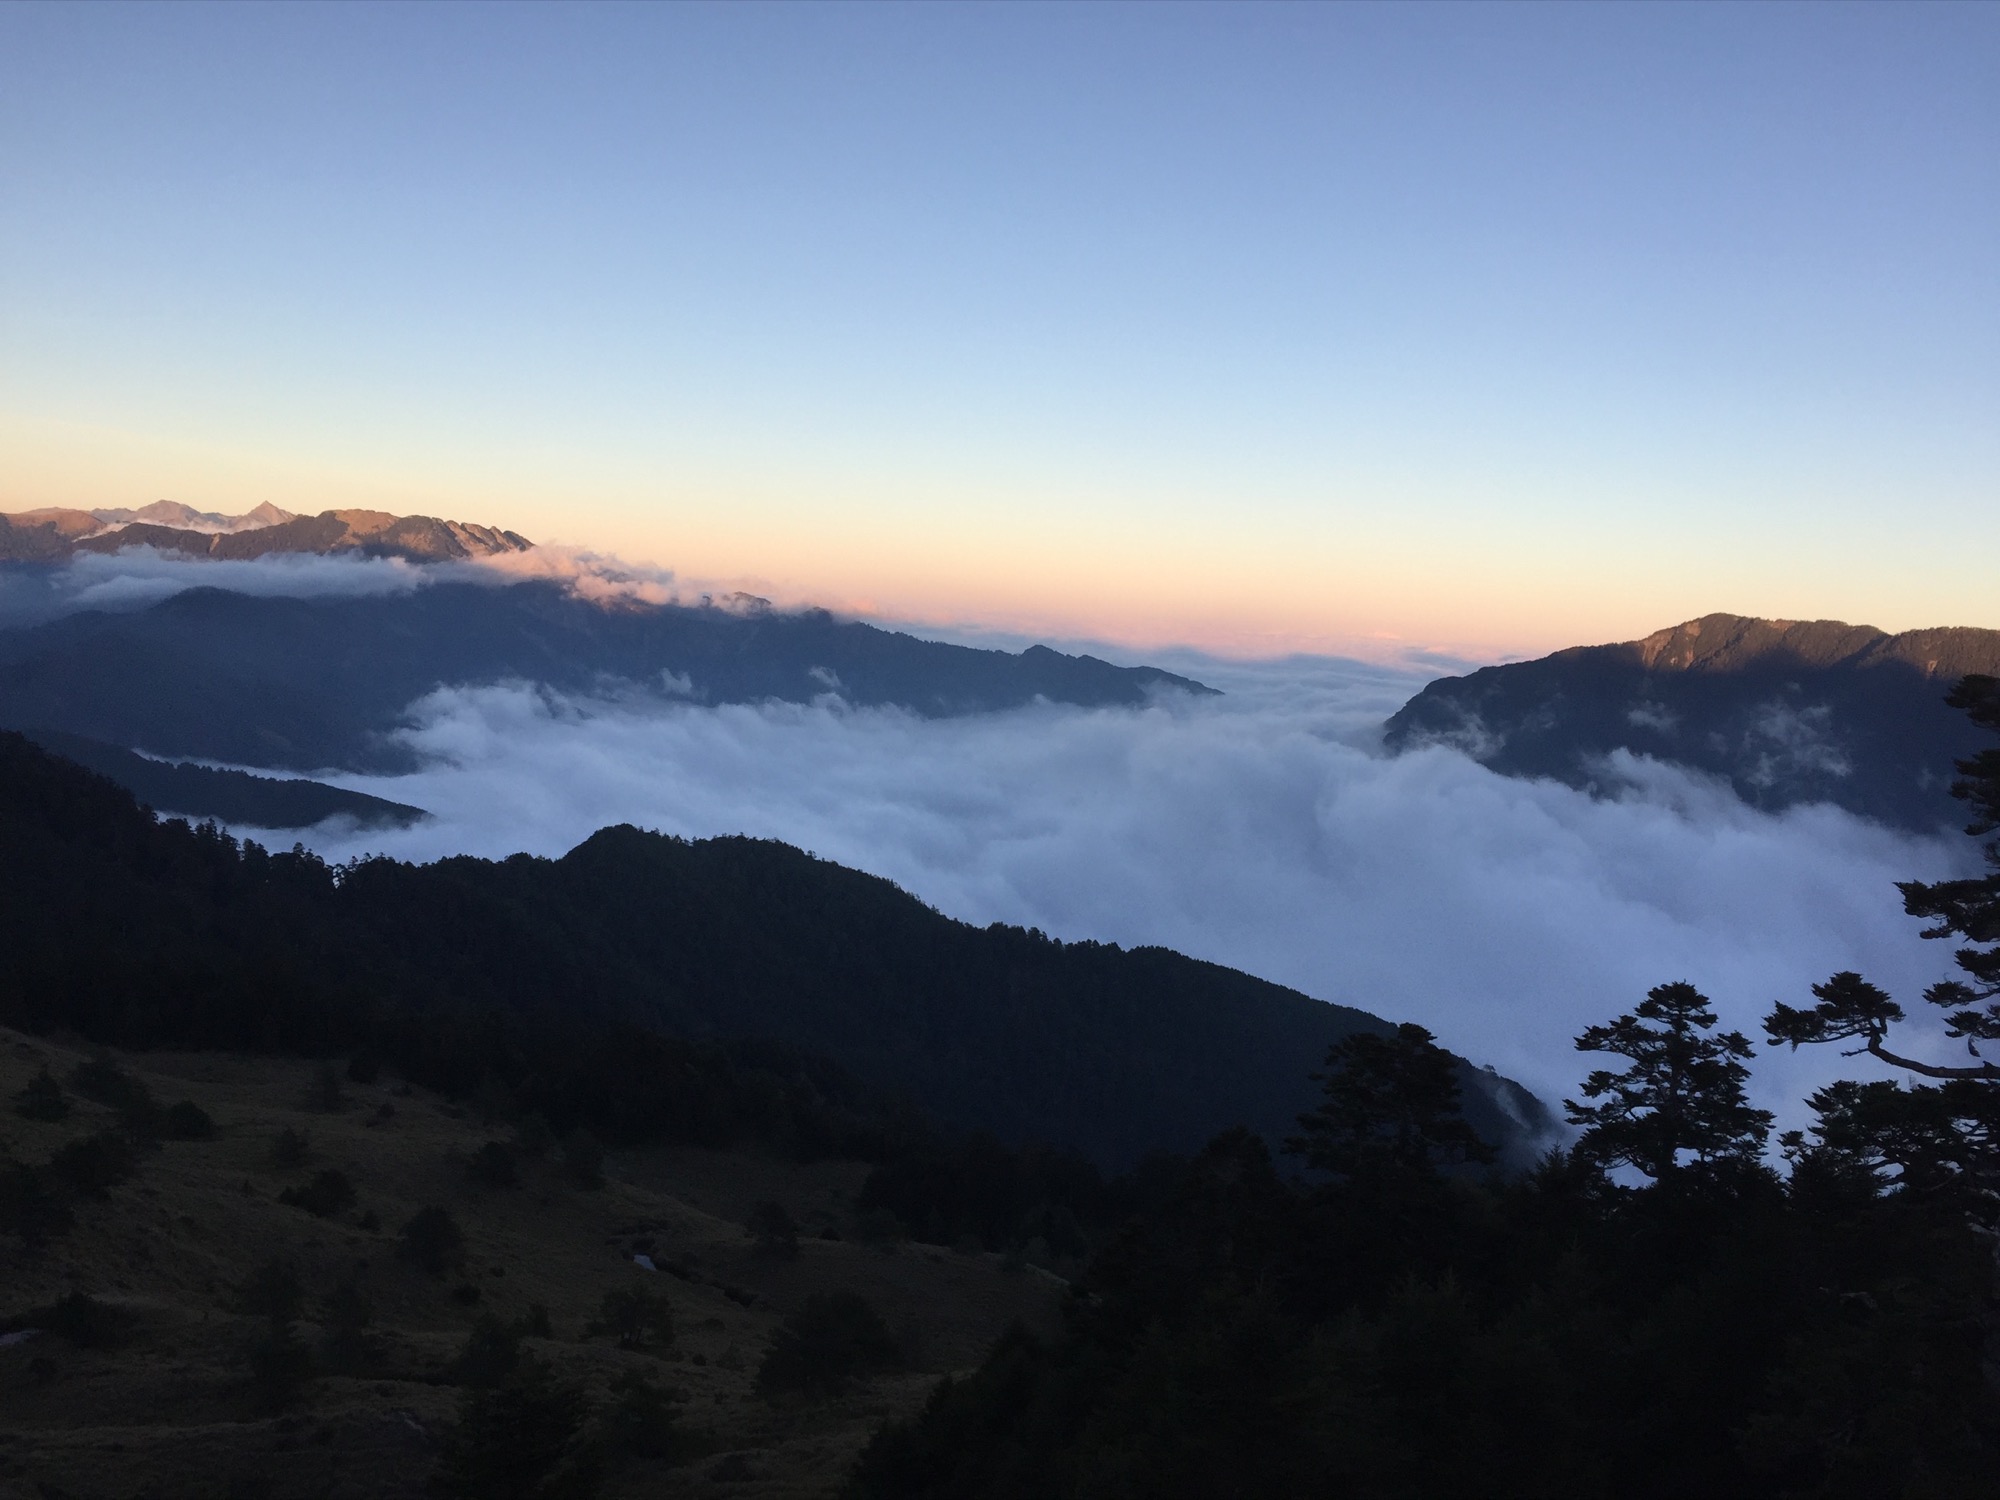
139 932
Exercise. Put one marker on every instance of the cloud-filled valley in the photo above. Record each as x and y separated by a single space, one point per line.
1263 829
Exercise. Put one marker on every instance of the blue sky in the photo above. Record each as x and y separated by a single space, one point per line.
1263 328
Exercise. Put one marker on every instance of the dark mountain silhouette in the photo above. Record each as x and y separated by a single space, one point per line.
136 932
236 797
302 684
1785 711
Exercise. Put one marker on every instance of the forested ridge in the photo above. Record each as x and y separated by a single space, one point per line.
634 955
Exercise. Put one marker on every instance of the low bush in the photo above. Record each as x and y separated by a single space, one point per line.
94 1164
636 1317
520 1440
344 1346
280 1366
42 1099
433 1241
329 1193
31 1204
272 1291
492 1352
186 1121
833 1338
775 1230
492 1165
86 1322
583 1159
640 1420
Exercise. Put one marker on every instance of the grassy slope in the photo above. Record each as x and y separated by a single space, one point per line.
171 1412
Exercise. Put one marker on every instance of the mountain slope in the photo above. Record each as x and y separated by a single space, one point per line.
233 797
303 684
1785 711
141 933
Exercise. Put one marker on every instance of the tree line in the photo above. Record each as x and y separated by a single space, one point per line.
1655 1310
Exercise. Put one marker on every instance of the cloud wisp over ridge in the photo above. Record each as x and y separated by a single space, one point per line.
1263 829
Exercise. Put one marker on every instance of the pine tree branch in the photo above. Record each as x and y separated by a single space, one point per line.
1931 1070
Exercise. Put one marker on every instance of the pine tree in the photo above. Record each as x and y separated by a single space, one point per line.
1391 1106
1939 1139
1682 1097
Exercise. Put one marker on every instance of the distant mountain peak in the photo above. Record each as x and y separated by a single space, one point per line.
1735 643
187 518
1787 711
55 535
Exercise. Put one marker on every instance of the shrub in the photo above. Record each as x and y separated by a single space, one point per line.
492 1165
280 1366
290 1148
520 1440
31 1204
327 1194
640 1421
774 1229
583 1158
635 1317
879 1227
103 1080
433 1241
532 1137
344 1344
86 1322
42 1099
187 1121
492 1352
95 1164
328 1095
272 1291
834 1337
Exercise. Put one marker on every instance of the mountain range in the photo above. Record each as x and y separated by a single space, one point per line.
302 684
1784 711
54 535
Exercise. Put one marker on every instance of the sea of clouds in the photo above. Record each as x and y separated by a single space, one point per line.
1264 829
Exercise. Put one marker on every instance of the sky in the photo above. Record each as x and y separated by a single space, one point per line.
1370 329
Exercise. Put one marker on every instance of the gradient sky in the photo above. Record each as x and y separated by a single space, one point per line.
1487 328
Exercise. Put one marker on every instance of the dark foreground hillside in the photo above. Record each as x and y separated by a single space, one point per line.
223 1303
139 933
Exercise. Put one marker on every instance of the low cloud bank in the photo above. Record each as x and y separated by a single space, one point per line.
1262 830
140 576
136 577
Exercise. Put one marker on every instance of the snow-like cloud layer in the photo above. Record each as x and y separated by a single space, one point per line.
1264 830
135 577
138 576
